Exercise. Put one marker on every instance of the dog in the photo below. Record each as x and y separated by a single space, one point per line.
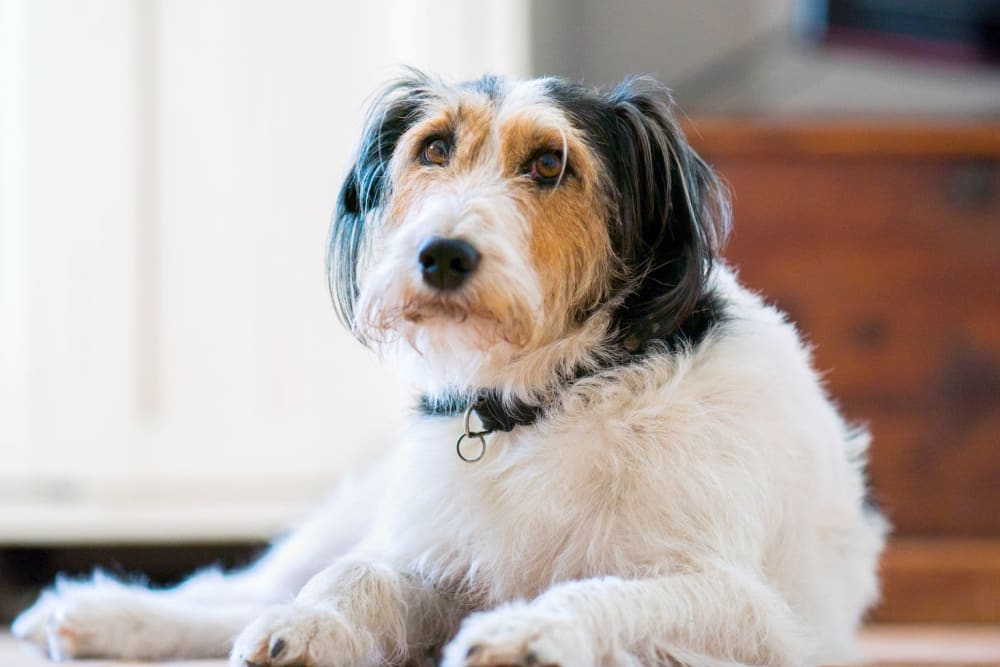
620 455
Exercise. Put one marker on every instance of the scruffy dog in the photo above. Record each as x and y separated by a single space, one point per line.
648 470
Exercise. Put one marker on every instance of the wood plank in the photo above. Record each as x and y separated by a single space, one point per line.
888 136
901 645
17 653
940 581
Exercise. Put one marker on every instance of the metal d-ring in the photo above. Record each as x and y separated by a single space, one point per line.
482 447
469 433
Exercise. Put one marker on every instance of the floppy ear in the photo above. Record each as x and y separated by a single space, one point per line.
673 214
367 186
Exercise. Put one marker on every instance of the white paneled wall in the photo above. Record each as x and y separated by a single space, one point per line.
167 171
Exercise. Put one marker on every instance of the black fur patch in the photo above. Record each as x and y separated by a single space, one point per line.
708 314
366 187
669 213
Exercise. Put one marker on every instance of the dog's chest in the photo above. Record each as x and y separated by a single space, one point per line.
543 505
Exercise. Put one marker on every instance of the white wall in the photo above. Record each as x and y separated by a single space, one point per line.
167 174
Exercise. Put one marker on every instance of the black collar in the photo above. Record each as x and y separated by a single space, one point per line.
487 404
497 414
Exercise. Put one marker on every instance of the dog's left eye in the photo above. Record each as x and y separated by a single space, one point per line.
435 152
546 167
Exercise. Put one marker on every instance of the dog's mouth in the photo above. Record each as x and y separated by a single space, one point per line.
418 310
422 309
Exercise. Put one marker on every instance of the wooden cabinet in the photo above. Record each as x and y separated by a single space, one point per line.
882 241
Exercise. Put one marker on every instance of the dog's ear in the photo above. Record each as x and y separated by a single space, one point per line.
673 213
367 187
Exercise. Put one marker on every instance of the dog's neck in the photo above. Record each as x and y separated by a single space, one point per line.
500 411
503 412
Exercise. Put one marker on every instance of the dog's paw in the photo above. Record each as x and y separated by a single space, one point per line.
519 636
33 622
84 619
312 635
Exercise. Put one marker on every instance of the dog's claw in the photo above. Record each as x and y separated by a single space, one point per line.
276 647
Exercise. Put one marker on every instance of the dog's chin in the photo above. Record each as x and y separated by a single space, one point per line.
461 318
441 311
447 341
445 325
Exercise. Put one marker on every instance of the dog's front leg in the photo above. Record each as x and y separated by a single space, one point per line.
709 618
354 613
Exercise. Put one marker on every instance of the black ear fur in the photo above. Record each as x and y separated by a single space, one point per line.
366 187
669 212
674 215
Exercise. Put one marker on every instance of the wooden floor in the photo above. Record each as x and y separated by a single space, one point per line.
886 646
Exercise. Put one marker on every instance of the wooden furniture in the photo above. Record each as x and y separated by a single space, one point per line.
882 241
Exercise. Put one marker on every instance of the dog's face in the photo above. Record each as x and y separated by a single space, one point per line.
498 223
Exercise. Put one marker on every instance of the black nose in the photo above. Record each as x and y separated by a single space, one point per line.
447 263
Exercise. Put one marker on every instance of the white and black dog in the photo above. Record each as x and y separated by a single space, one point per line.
652 472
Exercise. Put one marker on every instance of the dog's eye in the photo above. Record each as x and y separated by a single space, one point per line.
436 152
546 167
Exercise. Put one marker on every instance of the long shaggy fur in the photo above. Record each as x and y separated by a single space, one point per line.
684 491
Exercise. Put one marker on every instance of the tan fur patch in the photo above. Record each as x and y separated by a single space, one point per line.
568 243
569 239
467 124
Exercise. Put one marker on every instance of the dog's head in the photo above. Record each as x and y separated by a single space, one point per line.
529 225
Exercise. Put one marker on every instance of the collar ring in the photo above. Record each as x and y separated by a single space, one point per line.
469 433
482 446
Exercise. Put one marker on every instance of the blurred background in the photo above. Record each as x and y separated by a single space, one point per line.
174 386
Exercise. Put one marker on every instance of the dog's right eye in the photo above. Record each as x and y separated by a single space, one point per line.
436 152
